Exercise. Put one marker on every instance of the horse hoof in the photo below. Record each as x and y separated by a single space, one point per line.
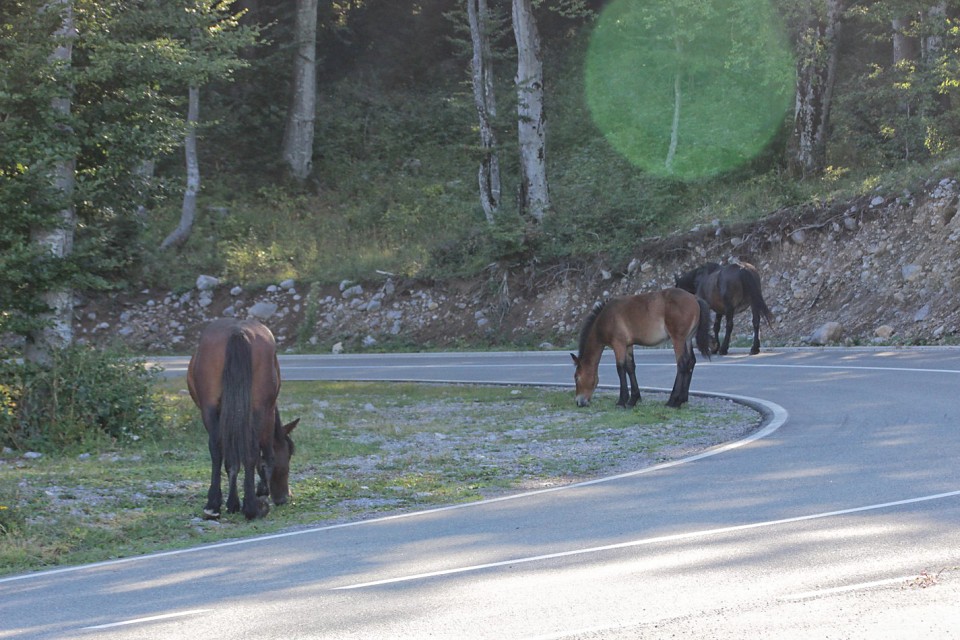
209 514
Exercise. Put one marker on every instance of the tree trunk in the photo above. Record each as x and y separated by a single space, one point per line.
188 212
675 125
298 134
531 121
57 239
933 40
485 100
816 74
904 46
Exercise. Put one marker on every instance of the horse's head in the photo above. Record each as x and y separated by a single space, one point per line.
282 452
687 281
585 379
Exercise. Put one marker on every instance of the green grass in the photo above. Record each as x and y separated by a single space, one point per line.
363 449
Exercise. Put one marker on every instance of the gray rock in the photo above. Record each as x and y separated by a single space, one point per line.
262 310
827 333
884 331
206 283
911 272
352 292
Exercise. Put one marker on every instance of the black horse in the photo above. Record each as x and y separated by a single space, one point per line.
728 289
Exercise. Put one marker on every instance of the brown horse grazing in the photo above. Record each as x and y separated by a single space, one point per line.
728 290
234 379
646 319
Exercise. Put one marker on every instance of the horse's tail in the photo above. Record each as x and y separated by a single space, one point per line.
703 329
751 284
236 431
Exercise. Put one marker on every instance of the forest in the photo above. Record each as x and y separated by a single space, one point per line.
143 142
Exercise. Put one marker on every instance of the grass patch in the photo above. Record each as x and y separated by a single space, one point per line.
363 449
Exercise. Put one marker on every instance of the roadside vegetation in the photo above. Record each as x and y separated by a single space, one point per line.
95 116
363 450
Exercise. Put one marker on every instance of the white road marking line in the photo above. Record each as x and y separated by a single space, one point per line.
165 616
777 417
646 541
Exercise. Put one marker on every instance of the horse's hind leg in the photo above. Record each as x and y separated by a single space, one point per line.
755 349
253 506
214 494
717 319
233 500
632 373
681 384
725 345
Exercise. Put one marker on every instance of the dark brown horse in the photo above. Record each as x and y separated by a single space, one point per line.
646 319
234 379
728 290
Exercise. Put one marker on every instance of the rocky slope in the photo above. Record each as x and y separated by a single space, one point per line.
874 270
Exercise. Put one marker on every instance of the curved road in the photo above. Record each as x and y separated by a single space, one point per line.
842 521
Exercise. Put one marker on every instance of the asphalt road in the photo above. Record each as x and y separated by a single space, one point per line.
840 520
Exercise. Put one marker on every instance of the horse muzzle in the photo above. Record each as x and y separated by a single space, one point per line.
583 401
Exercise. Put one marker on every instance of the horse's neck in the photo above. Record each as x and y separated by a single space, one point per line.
590 357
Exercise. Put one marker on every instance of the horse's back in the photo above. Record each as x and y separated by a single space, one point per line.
649 319
204 374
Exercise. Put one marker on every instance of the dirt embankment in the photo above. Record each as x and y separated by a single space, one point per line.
883 269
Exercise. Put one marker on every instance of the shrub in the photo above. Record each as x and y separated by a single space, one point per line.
85 397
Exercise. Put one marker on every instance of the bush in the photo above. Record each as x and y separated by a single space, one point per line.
84 398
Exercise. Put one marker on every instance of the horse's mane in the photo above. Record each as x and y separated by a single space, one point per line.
588 324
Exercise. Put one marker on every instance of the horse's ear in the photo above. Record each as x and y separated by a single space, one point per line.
290 426
576 360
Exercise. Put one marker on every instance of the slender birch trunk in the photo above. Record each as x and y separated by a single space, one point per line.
531 121
188 211
675 125
816 74
486 103
57 239
301 117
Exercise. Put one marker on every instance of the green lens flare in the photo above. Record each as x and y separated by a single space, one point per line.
689 88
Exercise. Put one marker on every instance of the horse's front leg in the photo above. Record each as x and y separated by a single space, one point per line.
265 469
634 387
622 374
263 484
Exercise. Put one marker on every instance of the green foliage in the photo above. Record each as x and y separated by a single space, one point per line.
129 67
396 148
85 397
